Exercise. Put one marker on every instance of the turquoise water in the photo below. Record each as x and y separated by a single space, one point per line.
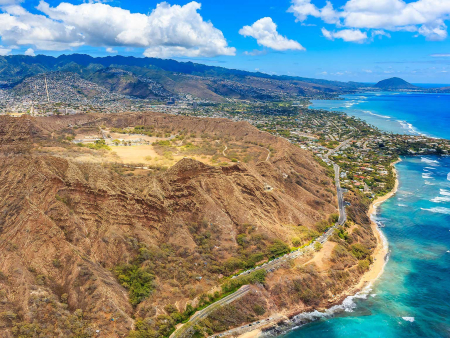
412 297
401 113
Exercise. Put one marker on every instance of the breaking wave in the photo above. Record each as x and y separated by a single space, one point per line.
429 161
445 197
409 127
378 115
438 210
348 305
426 175
409 319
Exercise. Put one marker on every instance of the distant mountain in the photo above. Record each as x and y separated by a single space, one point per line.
395 83
152 78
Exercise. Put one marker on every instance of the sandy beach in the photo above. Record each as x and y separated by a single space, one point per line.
382 248
379 255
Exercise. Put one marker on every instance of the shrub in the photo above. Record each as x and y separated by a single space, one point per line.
278 248
296 242
259 310
318 246
138 281
360 251
363 265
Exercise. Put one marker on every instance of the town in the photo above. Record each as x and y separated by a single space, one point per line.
364 153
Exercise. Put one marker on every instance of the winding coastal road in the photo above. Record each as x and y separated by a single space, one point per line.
187 328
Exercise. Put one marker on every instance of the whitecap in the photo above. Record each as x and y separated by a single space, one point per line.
427 175
402 205
438 210
448 177
445 197
444 192
440 199
429 161
409 127
378 115
409 319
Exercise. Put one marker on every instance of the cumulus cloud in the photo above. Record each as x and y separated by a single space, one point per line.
5 50
30 52
304 8
171 30
348 35
266 34
425 17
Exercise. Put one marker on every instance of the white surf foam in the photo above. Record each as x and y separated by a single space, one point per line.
444 192
445 197
429 161
426 175
448 177
348 305
409 127
409 319
441 199
438 210
378 115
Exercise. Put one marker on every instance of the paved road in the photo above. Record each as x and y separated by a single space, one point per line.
199 315
276 263
332 151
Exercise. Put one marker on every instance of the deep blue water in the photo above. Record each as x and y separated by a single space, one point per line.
402 113
412 297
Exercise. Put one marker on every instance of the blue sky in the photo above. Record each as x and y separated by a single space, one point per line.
347 40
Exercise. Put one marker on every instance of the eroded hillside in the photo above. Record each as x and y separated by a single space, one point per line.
85 246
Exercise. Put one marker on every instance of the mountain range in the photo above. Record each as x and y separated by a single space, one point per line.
152 78
160 79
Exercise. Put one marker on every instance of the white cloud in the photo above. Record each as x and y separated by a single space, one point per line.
425 17
348 35
169 30
5 50
30 52
265 33
9 2
440 55
111 50
19 27
304 8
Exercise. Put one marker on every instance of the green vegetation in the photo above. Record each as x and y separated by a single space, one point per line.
233 285
138 280
97 145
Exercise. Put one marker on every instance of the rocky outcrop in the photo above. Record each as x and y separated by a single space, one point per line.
65 226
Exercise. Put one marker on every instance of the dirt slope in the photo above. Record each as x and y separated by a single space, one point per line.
66 226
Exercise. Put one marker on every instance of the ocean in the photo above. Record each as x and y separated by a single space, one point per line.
412 297
400 113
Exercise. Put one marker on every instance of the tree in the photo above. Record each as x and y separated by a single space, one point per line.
318 246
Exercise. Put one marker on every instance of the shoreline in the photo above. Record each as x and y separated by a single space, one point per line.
376 269
382 249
